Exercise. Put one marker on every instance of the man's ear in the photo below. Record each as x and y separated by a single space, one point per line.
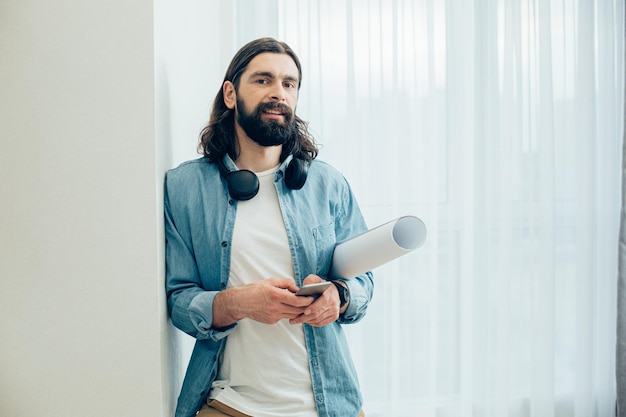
230 95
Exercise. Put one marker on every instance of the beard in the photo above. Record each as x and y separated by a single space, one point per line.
266 132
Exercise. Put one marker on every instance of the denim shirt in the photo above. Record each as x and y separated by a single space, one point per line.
199 221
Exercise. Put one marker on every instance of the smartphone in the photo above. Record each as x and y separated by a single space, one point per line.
314 290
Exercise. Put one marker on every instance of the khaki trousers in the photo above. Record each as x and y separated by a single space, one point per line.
217 409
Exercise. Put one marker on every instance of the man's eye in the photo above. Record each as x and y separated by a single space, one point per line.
261 81
290 85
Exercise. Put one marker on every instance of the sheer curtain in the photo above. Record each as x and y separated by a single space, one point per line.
621 300
499 123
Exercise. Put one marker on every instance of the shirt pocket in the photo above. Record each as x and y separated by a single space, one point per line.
325 240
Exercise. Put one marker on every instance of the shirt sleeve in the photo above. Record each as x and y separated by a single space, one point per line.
350 222
189 305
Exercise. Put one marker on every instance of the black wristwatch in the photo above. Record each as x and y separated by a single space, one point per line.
344 294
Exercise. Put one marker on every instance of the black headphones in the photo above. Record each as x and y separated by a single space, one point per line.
243 184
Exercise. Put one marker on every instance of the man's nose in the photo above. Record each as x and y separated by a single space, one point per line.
278 93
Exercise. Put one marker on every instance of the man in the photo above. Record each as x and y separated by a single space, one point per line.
246 225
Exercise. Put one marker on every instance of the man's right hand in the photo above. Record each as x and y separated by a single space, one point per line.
267 301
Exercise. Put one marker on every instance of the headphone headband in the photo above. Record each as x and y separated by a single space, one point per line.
243 184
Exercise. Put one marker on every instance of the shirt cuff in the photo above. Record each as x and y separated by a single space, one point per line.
201 315
358 302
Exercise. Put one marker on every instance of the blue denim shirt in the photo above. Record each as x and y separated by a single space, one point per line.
199 220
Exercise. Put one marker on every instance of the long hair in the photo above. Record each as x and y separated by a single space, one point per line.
217 138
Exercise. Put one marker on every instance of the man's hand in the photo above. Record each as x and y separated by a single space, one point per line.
266 301
324 310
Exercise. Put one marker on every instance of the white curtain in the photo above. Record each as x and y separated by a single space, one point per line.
499 123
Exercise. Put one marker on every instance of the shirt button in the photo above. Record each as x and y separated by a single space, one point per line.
231 202
224 244
223 285
319 398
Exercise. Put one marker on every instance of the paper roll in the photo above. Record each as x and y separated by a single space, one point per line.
377 246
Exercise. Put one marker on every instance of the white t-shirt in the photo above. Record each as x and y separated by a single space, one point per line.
264 371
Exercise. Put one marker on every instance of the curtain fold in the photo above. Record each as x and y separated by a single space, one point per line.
621 286
621 308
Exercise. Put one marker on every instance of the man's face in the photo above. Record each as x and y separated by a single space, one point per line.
266 99
266 130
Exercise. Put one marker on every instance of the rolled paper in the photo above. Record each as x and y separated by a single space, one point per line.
377 246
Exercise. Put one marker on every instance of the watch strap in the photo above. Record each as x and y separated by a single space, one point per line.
344 294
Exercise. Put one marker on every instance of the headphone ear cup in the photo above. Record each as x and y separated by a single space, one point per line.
296 173
242 184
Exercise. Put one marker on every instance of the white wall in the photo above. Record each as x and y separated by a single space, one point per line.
97 100
83 329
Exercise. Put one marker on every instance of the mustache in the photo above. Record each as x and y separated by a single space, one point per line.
282 107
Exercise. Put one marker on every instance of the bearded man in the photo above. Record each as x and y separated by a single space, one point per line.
248 224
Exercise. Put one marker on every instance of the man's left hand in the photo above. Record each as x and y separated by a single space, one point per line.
324 310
